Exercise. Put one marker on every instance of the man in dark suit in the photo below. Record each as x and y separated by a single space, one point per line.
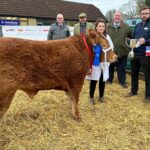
142 57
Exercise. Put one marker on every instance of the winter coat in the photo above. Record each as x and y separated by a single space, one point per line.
77 28
118 36
142 30
58 32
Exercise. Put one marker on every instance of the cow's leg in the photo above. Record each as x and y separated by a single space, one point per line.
5 101
74 96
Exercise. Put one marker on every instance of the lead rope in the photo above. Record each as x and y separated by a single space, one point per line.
88 50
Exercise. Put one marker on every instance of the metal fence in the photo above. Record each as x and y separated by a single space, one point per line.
28 32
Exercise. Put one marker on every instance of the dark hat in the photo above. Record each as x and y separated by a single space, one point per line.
82 15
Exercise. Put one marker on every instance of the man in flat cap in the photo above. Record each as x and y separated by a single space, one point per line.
83 26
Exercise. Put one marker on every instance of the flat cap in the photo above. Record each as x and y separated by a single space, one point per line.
82 15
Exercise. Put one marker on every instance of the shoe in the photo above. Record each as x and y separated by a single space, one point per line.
108 82
131 94
101 99
92 101
146 100
124 86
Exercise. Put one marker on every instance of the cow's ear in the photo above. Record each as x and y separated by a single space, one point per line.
92 34
90 30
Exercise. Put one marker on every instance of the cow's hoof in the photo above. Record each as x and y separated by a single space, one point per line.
2 116
77 118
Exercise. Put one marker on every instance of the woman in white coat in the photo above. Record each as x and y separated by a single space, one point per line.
100 27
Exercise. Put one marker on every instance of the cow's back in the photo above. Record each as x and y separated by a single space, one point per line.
42 65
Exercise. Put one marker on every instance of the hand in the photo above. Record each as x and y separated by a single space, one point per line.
142 41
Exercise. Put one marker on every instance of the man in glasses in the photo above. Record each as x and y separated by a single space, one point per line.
142 54
58 30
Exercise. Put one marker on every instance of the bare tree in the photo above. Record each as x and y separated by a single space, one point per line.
129 9
140 3
110 14
147 2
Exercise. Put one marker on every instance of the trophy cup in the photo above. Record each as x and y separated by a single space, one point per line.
133 43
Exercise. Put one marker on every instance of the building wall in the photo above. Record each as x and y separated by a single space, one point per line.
26 21
23 21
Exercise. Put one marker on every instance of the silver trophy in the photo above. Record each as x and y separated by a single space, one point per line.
132 43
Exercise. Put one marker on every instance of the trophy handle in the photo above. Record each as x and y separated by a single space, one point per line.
131 54
127 39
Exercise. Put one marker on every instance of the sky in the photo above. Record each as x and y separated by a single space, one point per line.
104 5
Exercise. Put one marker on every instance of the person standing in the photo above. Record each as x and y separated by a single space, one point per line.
141 58
1 32
118 32
82 26
100 27
58 30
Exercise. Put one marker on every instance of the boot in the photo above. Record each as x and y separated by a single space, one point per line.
92 101
101 99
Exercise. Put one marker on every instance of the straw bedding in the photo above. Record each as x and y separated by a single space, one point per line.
45 123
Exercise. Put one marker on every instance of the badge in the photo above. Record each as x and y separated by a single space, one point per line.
146 28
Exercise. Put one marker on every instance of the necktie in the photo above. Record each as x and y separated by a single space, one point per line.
116 26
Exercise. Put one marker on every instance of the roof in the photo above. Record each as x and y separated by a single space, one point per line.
48 9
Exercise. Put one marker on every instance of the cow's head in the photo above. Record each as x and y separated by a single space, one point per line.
92 34
94 37
111 56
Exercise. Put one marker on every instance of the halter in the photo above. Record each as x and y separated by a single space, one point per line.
105 52
88 50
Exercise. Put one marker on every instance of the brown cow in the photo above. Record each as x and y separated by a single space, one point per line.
42 65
